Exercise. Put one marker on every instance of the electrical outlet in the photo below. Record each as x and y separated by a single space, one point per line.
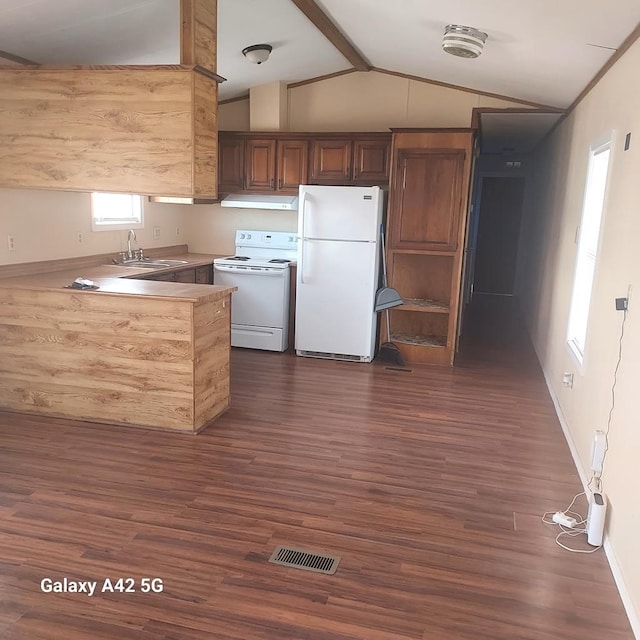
80 238
156 233
11 243
567 379
177 232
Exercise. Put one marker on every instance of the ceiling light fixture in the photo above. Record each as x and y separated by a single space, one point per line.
257 53
464 42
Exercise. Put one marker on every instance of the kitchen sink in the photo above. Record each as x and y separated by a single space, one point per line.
171 263
152 264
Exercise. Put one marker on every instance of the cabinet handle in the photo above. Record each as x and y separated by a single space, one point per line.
279 183
404 177
272 183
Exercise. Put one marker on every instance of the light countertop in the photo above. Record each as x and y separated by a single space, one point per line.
122 281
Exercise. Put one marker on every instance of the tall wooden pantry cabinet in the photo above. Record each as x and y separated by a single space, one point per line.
428 201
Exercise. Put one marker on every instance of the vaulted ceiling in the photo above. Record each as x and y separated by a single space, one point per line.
544 52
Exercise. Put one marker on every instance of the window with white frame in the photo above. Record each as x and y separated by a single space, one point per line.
113 211
588 237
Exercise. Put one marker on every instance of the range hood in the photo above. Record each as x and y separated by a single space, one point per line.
256 201
182 200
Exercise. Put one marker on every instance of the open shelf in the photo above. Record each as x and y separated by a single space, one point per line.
419 340
423 305
419 328
419 277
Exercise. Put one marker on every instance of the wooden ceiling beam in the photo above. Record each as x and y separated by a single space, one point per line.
331 32
5 55
198 34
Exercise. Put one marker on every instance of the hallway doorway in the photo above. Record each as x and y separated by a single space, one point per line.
498 235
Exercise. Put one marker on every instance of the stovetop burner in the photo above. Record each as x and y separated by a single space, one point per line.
279 260
239 258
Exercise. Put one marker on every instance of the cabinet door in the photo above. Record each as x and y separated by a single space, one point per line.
426 201
331 161
260 165
230 164
292 164
371 161
164 277
204 274
185 275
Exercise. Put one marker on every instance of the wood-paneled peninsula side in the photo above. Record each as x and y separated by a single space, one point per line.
134 352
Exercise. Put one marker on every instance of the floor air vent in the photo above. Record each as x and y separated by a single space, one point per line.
300 559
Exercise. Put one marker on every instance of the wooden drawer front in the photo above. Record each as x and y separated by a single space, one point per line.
260 165
292 164
427 199
204 274
230 164
331 161
371 161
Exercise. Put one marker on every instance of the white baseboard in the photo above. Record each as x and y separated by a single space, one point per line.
632 614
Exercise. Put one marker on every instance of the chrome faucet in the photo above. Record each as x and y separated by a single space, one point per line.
131 234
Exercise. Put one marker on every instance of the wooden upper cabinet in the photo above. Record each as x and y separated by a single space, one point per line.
275 165
260 165
331 161
371 161
281 162
147 130
427 194
357 160
230 164
292 163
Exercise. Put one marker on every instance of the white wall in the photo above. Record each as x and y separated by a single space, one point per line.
552 219
212 228
358 101
373 101
45 225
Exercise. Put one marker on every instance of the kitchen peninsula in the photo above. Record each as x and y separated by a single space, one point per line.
134 352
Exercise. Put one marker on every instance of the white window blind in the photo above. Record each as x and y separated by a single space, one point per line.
116 211
587 257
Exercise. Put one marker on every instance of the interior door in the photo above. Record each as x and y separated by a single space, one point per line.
498 235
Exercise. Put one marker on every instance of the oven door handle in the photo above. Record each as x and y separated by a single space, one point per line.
301 239
255 271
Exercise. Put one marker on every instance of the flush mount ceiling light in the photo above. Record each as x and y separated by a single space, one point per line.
464 42
257 53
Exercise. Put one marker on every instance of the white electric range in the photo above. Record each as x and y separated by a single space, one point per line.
260 270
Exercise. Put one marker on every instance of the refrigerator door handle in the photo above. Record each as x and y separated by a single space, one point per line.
303 200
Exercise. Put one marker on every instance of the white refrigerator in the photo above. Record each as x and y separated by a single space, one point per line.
337 272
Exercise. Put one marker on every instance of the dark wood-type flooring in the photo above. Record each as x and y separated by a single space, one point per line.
428 483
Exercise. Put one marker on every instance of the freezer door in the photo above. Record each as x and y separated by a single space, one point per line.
335 297
339 213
